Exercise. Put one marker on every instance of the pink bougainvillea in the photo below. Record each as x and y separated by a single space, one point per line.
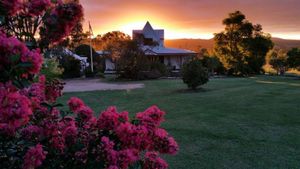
61 21
37 7
153 161
15 110
34 157
14 55
152 117
75 104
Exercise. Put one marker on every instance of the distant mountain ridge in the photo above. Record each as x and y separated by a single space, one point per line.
195 44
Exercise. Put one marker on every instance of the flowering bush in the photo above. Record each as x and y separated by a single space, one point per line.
50 20
34 133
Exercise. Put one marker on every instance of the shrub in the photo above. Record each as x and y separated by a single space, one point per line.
144 75
131 61
98 61
71 66
51 69
159 67
194 74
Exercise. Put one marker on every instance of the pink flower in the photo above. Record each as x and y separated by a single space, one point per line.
152 161
70 134
32 132
132 136
75 104
61 21
53 90
69 130
34 57
15 110
163 143
34 157
108 152
109 119
58 143
37 7
13 53
82 155
152 117
85 113
127 157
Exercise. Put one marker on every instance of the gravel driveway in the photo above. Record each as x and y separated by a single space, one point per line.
82 85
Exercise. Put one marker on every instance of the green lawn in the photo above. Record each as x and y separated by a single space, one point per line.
230 123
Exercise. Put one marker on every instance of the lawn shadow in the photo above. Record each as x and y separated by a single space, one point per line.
198 90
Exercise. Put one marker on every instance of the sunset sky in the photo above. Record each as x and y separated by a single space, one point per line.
191 18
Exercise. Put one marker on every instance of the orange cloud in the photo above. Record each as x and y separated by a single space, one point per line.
191 19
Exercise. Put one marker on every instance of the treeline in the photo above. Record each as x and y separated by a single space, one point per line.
242 49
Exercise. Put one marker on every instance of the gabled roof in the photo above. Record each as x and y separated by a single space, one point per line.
148 32
158 50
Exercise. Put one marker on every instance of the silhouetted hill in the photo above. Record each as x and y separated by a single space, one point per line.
195 44
286 44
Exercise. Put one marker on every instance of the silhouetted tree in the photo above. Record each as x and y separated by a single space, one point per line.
131 60
213 64
293 58
278 60
76 35
242 46
112 42
98 61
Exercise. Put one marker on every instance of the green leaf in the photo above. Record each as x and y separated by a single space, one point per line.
58 105
25 64
15 58
25 83
46 105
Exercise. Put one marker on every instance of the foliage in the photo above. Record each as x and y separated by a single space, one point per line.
293 58
98 61
278 60
213 64
77 36
194 74
71 66
242 47
131 60
51 20
51 68
159 67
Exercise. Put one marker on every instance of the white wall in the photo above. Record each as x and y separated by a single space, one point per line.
174 61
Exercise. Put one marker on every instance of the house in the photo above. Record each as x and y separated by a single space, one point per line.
152 43
83 60
60 52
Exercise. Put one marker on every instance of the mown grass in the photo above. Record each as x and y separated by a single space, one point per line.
229 123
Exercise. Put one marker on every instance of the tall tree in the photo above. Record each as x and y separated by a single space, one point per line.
77 35
113 42
242 46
